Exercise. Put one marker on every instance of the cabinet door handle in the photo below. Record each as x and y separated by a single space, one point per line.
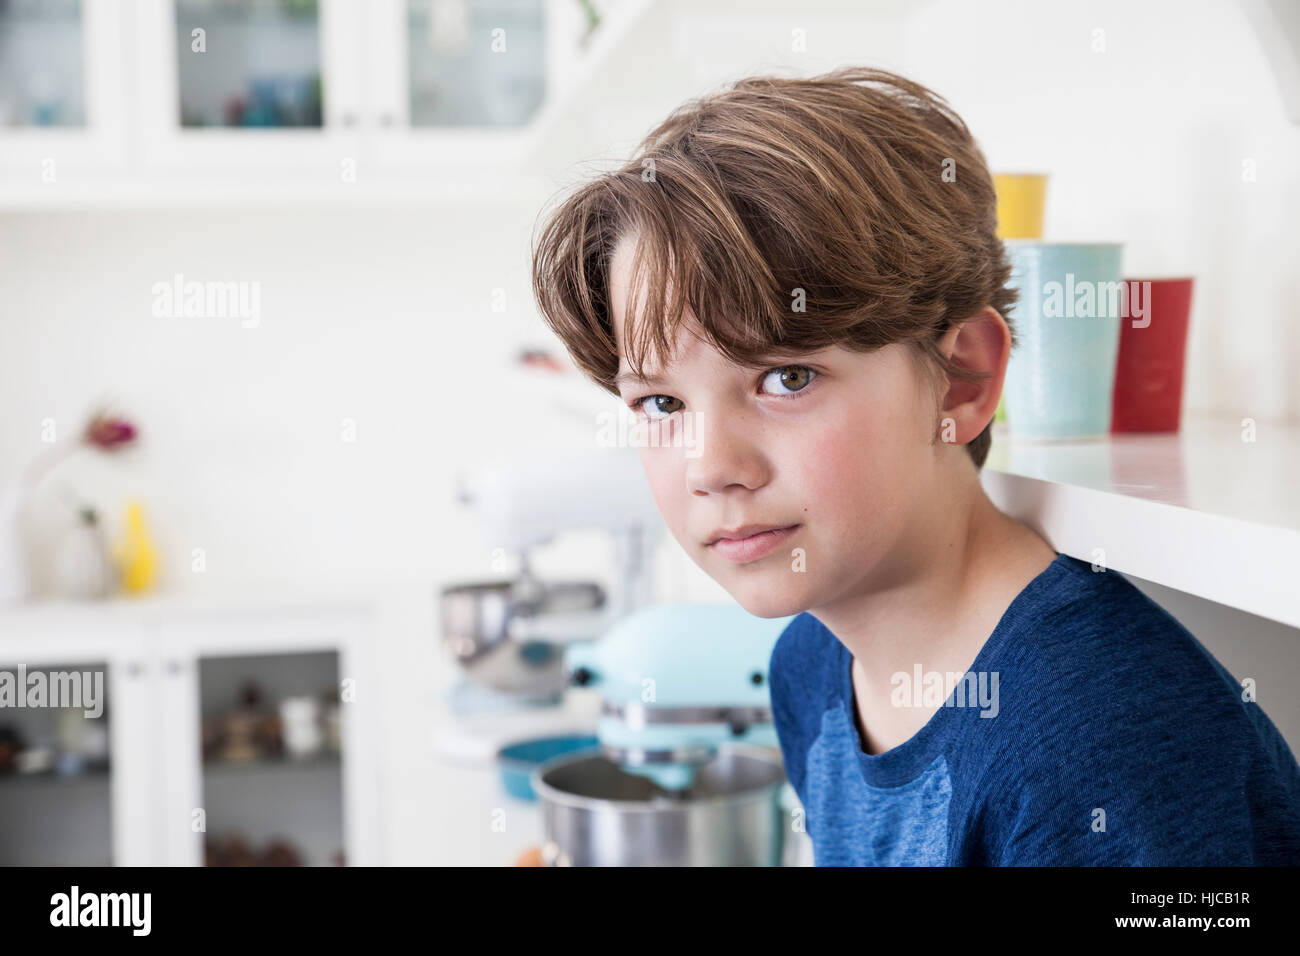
134 669
174 666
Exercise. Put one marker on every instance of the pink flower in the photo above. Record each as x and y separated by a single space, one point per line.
107 433
104 432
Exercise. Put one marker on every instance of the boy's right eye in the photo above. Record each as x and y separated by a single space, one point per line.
652 405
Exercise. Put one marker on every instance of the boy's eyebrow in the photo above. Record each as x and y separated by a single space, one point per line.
630 376
764 361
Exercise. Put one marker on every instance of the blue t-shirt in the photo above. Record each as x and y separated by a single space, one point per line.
1103 733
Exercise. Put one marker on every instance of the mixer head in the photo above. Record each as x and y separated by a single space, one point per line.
675 681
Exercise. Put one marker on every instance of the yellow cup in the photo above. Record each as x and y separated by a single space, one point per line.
1021 198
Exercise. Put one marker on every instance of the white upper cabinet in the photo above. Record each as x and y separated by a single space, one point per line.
157 100
461 83
254 88
61 89
162 96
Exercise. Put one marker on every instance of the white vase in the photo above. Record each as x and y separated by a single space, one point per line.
15 573
82 567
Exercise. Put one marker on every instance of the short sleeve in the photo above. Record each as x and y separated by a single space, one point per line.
1147 797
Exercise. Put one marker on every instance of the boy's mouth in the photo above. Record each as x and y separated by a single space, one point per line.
750 542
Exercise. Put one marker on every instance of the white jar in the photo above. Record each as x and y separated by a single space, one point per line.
300 725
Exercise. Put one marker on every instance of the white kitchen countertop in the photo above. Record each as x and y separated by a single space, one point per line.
1202 510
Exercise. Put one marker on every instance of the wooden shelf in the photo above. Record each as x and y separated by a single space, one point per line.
1204 510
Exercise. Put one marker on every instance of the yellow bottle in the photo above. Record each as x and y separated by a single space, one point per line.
136 555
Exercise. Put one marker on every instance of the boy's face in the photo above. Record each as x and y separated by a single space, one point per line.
834 443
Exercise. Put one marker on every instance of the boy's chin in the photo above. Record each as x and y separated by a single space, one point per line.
767 602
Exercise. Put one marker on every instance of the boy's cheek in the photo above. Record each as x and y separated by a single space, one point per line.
666 477
855 492
839 465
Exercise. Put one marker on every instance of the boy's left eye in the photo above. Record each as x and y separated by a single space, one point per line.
788 380
793 377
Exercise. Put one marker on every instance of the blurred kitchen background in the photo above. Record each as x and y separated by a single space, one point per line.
252 517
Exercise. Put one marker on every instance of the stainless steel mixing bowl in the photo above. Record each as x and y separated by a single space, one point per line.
597 814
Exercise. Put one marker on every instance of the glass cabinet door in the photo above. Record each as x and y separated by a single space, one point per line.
42 63
55 783
272 773
259 89
248 63
470 84
61 90
475 64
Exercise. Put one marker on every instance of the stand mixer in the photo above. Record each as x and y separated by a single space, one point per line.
676 680
687 768
507 635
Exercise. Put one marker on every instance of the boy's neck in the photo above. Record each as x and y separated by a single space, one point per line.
943 600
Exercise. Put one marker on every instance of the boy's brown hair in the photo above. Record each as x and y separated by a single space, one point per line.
859 190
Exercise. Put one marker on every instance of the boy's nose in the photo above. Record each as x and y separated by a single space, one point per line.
723 458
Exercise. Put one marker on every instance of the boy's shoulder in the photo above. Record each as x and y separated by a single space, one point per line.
1092 640
1109 705
1088 658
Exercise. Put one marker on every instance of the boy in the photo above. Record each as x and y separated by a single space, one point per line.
826 320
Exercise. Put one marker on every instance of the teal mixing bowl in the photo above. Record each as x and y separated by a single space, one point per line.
519 760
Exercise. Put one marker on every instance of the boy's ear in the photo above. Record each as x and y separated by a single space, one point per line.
981 344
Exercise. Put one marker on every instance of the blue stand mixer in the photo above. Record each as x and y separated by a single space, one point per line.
677 680
687 770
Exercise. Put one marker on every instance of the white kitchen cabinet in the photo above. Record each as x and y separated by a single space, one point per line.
62 86
468 84
165 666
395 100
406 85
259 89
93 817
